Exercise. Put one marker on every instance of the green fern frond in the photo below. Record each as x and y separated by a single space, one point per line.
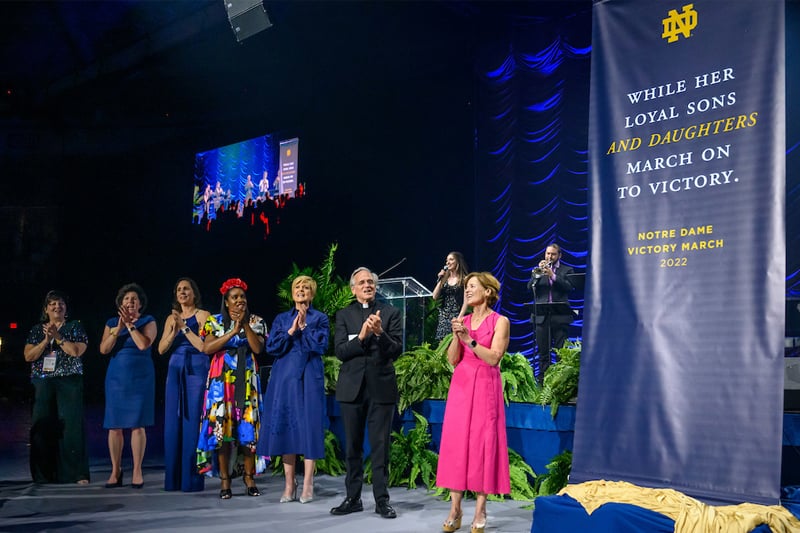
560 382
422 374
411 461
519 384
332 464
557 475
330 370
523 478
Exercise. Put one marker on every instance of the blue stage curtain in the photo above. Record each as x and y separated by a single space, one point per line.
792 149
533 98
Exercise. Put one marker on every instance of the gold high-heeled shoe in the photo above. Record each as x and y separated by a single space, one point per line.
479 527
452 525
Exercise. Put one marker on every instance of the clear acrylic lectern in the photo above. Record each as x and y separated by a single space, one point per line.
408 296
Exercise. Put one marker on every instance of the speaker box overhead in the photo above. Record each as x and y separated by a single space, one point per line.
247 17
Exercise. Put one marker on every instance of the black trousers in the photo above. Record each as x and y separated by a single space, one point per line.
58 440
547 340
376 418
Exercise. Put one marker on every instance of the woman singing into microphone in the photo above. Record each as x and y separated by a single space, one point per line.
449 290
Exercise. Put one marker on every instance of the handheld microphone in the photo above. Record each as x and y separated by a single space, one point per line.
442 275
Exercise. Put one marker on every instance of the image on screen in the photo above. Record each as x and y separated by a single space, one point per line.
247 180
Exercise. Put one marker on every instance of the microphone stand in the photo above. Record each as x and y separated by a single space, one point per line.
536 348
392 267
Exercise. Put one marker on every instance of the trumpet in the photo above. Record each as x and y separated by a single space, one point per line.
538 272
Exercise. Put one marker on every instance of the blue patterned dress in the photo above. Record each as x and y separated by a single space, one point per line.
232 402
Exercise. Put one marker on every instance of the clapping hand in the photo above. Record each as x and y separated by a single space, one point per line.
299 321
178 322
372 324
50 331
126 319
239 316
459 330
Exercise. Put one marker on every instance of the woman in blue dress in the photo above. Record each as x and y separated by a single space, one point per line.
294 406
130 381
232 402
186 384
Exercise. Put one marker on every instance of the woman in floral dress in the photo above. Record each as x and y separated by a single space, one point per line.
232 401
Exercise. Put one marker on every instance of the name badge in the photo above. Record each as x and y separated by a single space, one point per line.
49 362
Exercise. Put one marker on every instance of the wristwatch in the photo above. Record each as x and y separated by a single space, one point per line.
185 330
473 343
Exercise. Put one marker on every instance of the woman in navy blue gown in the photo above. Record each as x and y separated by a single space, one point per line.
294 406
130 381
186 384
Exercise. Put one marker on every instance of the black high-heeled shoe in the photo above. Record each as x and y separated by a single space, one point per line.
225 494
252 490
117 483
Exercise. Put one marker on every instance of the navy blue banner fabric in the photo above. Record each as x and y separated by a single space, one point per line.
682 368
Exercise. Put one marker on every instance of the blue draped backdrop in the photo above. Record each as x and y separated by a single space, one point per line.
531 162
533 101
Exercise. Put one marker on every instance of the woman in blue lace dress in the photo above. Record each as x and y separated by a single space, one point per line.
232 403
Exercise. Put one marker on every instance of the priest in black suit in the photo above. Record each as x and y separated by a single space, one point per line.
368 339
550 283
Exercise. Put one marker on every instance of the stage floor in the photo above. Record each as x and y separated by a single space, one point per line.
27 507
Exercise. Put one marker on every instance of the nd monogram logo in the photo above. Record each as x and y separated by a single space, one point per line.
679 23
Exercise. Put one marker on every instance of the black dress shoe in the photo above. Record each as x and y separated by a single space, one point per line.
349 505
385 510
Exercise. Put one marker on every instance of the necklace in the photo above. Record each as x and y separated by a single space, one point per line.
476 320
184 316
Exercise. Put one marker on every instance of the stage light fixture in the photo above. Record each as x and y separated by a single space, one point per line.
247 17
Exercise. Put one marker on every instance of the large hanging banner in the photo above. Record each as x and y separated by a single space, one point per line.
682 370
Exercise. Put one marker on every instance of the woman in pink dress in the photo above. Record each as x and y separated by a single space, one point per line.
473 454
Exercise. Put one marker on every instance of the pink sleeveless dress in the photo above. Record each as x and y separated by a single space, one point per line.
473 453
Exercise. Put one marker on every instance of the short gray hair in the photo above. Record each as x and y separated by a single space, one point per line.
359 269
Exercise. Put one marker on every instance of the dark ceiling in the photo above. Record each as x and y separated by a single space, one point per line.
104 104
91 76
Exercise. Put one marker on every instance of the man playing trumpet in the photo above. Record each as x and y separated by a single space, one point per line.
550 284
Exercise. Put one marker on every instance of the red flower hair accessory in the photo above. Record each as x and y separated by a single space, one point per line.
232 283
